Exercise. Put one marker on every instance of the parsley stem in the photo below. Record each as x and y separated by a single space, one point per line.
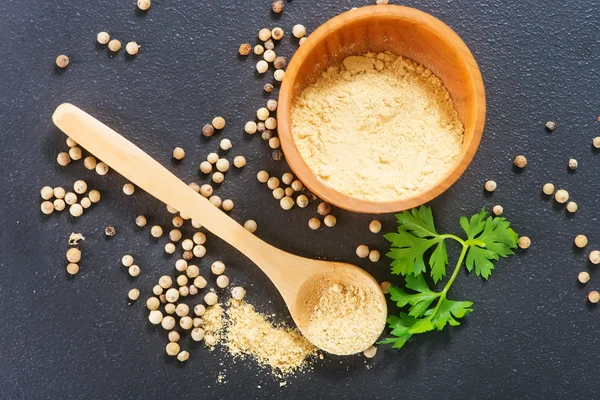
444 292
454 237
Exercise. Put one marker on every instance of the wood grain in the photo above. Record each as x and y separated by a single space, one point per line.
403 31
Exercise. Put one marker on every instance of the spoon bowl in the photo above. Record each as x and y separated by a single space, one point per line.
299 280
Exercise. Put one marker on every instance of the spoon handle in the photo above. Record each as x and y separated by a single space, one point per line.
141 169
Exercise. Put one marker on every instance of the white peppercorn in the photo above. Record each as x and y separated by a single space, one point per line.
222 281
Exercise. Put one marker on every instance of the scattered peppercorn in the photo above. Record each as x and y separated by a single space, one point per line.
278 75
218 123
178 153
381 2
225 144
250 226
114 45
524 242
596 142
561 196
208 130
264 34
362 251
222 165
156 231
133 294
63 159
59 204
141 221
286 203
572 207
330 221
269 88
374 226
245 49
301 41
583 277
520 161
215 200
90 163
269 44
222 281
76 210
134 270
314 223
594 297
385 287
595 257
497 210
218 177
75 153
62 61
269 56
573 164
128 189
548 189
239 161
103 37
581 241
143 4
101 168
262 66
274 143
277 33
278 6
85 202
299 31
174 336
324 208
227 205
550 125
72 268
132 48
374 255
74 255
280 62
258 49
277 155
302 201
490 186
211 298
110 231
371 351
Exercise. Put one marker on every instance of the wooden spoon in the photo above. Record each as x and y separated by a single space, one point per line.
299 280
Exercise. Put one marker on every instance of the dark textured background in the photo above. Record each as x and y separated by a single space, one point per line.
532 334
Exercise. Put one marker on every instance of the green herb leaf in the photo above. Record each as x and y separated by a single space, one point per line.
417 234
424 310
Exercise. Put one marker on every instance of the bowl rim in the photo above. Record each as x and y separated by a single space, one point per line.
342 200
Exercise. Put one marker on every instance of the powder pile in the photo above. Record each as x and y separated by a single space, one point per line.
344 317
213 325
249 333
378 127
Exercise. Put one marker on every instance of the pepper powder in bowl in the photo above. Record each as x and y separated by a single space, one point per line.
382 109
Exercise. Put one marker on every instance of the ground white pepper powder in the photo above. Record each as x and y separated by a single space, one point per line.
213 325
249 333
378 127
343 317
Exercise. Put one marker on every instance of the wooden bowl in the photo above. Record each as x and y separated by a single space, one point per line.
406 32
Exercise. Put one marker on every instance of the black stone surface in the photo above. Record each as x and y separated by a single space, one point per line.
532 335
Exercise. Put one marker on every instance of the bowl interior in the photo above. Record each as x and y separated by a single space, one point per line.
403 31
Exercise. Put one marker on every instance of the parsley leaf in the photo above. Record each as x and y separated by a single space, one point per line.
416 235
425 310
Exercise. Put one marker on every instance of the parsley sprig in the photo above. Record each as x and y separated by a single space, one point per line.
418 245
